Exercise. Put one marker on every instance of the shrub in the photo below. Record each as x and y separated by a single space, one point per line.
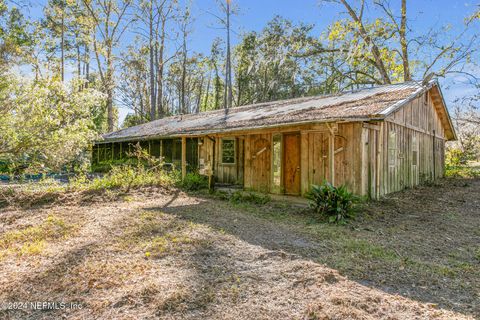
455 157
250 197
461 172
194 182
336 203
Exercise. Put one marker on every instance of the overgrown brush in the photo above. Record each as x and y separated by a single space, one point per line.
194 182
335 203
249 197
461 172
125 177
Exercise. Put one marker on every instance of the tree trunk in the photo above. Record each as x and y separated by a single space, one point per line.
62 45
153 100
374 48
109 91
184 76
87 65
160 70
110 109
199 98
228 72
403 41
207 96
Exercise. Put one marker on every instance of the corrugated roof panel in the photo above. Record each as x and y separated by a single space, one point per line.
363 103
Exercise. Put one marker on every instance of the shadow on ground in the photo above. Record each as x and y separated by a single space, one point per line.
422 244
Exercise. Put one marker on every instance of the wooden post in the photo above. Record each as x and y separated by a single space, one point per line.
247 166
331 157
184 157
380 162
161 150
304 187
331 154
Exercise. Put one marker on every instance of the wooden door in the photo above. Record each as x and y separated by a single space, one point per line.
260 171
318 157
372 163
291 161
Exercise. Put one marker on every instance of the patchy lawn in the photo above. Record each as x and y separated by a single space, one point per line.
164 254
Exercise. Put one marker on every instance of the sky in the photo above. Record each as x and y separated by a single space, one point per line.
254 15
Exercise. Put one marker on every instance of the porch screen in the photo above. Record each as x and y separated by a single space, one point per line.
228 151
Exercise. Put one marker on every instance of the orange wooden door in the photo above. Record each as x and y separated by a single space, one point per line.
291 168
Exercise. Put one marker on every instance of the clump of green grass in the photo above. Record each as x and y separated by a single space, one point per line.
194 182
249 197
157 234
166 244
32 240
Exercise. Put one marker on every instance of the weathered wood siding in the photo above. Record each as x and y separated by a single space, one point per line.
228 173
413 146
370 158
347 157
258 162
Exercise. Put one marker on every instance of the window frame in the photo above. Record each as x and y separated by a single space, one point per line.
234 151
392 149
415 151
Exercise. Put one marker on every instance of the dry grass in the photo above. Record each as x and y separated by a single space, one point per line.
156 253
31 240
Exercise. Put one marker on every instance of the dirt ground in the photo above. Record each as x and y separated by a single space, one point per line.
164 254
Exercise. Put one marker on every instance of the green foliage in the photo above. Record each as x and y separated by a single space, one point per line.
456 164
14 37
31 240
249 197
132 120
46 125
335 203
106 166
455 157
194 182
461 172
127 177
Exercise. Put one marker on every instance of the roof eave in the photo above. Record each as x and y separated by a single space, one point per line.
452 128
241 130
396 106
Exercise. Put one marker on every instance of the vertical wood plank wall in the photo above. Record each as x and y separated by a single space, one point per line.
369 158
416 122
224 173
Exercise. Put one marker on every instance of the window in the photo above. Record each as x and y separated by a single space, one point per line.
167 150
414 151
228 151
392 149
277 163
177 150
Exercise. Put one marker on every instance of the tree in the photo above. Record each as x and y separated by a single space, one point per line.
385 43
46 124
15 38
185 30
227 10
109 20
153 15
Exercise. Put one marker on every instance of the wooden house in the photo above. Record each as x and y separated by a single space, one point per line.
375 141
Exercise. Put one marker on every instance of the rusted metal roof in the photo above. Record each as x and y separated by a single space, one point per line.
373 103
